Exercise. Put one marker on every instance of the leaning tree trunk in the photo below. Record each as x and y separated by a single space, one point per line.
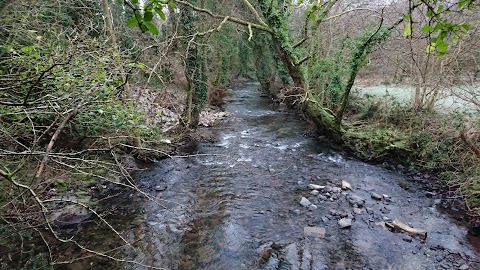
321 117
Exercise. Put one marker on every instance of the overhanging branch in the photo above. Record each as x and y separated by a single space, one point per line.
231 19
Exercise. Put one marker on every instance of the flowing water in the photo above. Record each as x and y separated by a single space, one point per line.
223 207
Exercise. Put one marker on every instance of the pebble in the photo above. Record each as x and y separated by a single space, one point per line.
407 238
385 210
315 187
312 207
333 212
323 198
314 192
346 185
325 220
369 210
297 211
354 199
376 196
160 188
345 223
336 190
357 211
305 202
464 267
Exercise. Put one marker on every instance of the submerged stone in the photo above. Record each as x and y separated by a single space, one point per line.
318 232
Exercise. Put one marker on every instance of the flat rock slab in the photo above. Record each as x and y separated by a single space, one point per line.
318 232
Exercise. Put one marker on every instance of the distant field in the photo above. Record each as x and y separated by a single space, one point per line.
405 94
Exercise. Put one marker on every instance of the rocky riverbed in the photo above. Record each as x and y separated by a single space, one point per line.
267 193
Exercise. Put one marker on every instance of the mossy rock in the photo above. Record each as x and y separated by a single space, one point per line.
372 143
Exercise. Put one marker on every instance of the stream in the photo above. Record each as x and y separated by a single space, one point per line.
226 204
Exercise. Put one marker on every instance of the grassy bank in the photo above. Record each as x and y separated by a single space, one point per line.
445 142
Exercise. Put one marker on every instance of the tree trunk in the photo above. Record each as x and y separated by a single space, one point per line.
195 70
293 70
107 15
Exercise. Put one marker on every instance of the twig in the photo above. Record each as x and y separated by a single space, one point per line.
54 138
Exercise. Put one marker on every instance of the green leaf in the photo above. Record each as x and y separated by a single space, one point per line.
429 14
134 2
172 4
442 46
430 49
455 39
440 8
427 28
132 22
161 14
151 27
463 3
407 31
466 26
148 16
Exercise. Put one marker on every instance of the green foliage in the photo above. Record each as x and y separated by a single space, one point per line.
277 15
144 20
225 53
10 236
245 57
442 31
264 62
329 76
